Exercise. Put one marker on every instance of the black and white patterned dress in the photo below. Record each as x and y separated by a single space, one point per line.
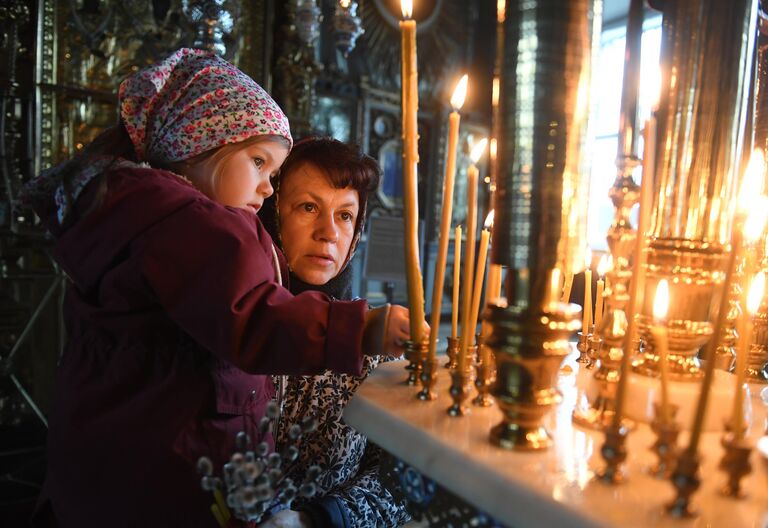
349 462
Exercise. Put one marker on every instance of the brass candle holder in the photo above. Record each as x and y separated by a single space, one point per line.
606 374
452 352
594 344
483 383
428 375
614 452
725 354
461 383
757 359
583 347
414 366
526 370
686 480
735 463
665 445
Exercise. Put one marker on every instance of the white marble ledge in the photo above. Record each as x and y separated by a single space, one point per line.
548 488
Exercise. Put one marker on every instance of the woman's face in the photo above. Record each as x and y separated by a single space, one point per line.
317 223
243 176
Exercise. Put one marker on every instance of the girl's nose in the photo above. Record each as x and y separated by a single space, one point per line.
265 188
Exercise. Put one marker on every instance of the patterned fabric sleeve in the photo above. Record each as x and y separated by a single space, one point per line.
348 462
366 501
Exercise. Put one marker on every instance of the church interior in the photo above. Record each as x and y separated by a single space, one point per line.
572 194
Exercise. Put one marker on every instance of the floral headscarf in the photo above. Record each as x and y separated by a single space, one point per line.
192 102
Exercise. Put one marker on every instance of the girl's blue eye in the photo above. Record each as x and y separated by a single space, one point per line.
258 162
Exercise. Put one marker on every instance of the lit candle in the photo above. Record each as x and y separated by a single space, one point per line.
751 187
602 269
456 281
469 259
410 105
754 297
586 321
445 220
660 339
477 287
567 287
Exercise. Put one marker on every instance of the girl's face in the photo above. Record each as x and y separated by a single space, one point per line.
242 177
317 224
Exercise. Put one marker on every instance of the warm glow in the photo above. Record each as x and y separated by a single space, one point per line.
344 3
604 266
651 82
755 223
588 258
495 87
755 294
752 183
478 149
492 146
501 10
661 300
460 93
406 6
489 220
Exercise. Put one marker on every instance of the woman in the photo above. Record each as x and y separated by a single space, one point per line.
317 216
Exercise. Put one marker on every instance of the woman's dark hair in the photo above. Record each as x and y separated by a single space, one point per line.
344 165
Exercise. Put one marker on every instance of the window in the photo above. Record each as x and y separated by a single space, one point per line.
604 113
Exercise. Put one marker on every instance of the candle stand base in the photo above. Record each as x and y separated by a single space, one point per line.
483 383
529 346
461 383
686 480
428 376
665 447
452 352
412 354
614 452
594 344
735 463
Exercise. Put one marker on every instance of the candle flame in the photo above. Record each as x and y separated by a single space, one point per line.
661 300
605 265
492 148
501 10
755 223
489 220
478 149
755 294
588 258
406 6
495 89
344 3
460 93
752 182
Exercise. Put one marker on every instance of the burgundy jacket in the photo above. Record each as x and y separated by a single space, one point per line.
174 321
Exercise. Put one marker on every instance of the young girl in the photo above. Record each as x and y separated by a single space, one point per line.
174 302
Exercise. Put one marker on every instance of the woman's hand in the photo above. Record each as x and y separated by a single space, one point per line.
287 519
386 329
400 326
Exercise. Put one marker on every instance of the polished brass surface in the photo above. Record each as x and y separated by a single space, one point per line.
583 347
735 463
483 382
757 360
529 348
614 452
594 345
686 480
694 270
725 353
665 445
701 118
452 352
540 218
428 375
414 366
540 221
461 383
